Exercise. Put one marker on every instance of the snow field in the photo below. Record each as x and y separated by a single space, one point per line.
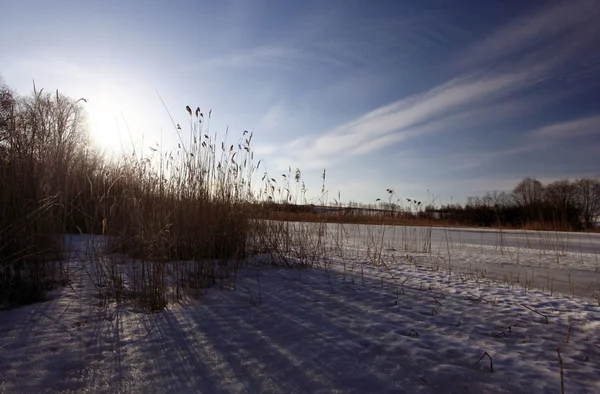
415 323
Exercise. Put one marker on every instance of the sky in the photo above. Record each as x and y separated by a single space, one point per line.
435 99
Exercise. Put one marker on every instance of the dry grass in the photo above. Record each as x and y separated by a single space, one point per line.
352 219
189 208
182 216
175 222
38 138
172 223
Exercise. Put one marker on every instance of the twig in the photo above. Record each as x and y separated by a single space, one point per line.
562 379
259 296
568 335
491 362
534 311
479 298
362 275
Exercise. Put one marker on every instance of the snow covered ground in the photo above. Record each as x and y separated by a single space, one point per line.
415 323
535 240
563 262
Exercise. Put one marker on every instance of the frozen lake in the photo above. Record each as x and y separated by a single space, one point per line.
541 240
559 261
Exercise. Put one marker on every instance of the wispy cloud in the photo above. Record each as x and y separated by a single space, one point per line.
563 20
266 56
472 97
458 102
274 118
542 138
569 129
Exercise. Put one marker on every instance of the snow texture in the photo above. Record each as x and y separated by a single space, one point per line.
413 323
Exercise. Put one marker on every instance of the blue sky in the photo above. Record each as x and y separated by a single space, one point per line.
451 97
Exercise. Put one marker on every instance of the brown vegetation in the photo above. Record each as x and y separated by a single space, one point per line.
186 219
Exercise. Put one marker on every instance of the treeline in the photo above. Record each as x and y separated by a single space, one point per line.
572 205
560 205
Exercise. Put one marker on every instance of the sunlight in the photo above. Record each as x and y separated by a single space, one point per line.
106 125
122 119
333 197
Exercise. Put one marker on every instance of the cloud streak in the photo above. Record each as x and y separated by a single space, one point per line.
473 97
569 129
462 101
440 91
566 18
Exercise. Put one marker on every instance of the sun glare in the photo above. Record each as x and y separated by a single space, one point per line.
117 123
104 123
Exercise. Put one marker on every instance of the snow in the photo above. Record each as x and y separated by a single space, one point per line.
545 241
414 323
564 262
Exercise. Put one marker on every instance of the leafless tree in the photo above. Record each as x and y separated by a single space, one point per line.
7 109
560 193
587 199
496 200
529 191
54 122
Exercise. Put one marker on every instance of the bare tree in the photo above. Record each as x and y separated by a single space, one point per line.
55 122
528 192
528 195
560 195
7 109
588 200
497 200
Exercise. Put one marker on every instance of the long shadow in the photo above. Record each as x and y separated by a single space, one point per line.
330 364
248 349
359 335
193 367
222 343
33 354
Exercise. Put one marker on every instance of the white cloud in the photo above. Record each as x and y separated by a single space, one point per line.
263 150
536 140
469 99
274 118
528 31
568 129
451 103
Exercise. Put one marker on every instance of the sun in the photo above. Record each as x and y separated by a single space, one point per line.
103 121
123 119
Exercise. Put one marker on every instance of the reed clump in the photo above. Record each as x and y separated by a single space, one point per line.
180 217
41 141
